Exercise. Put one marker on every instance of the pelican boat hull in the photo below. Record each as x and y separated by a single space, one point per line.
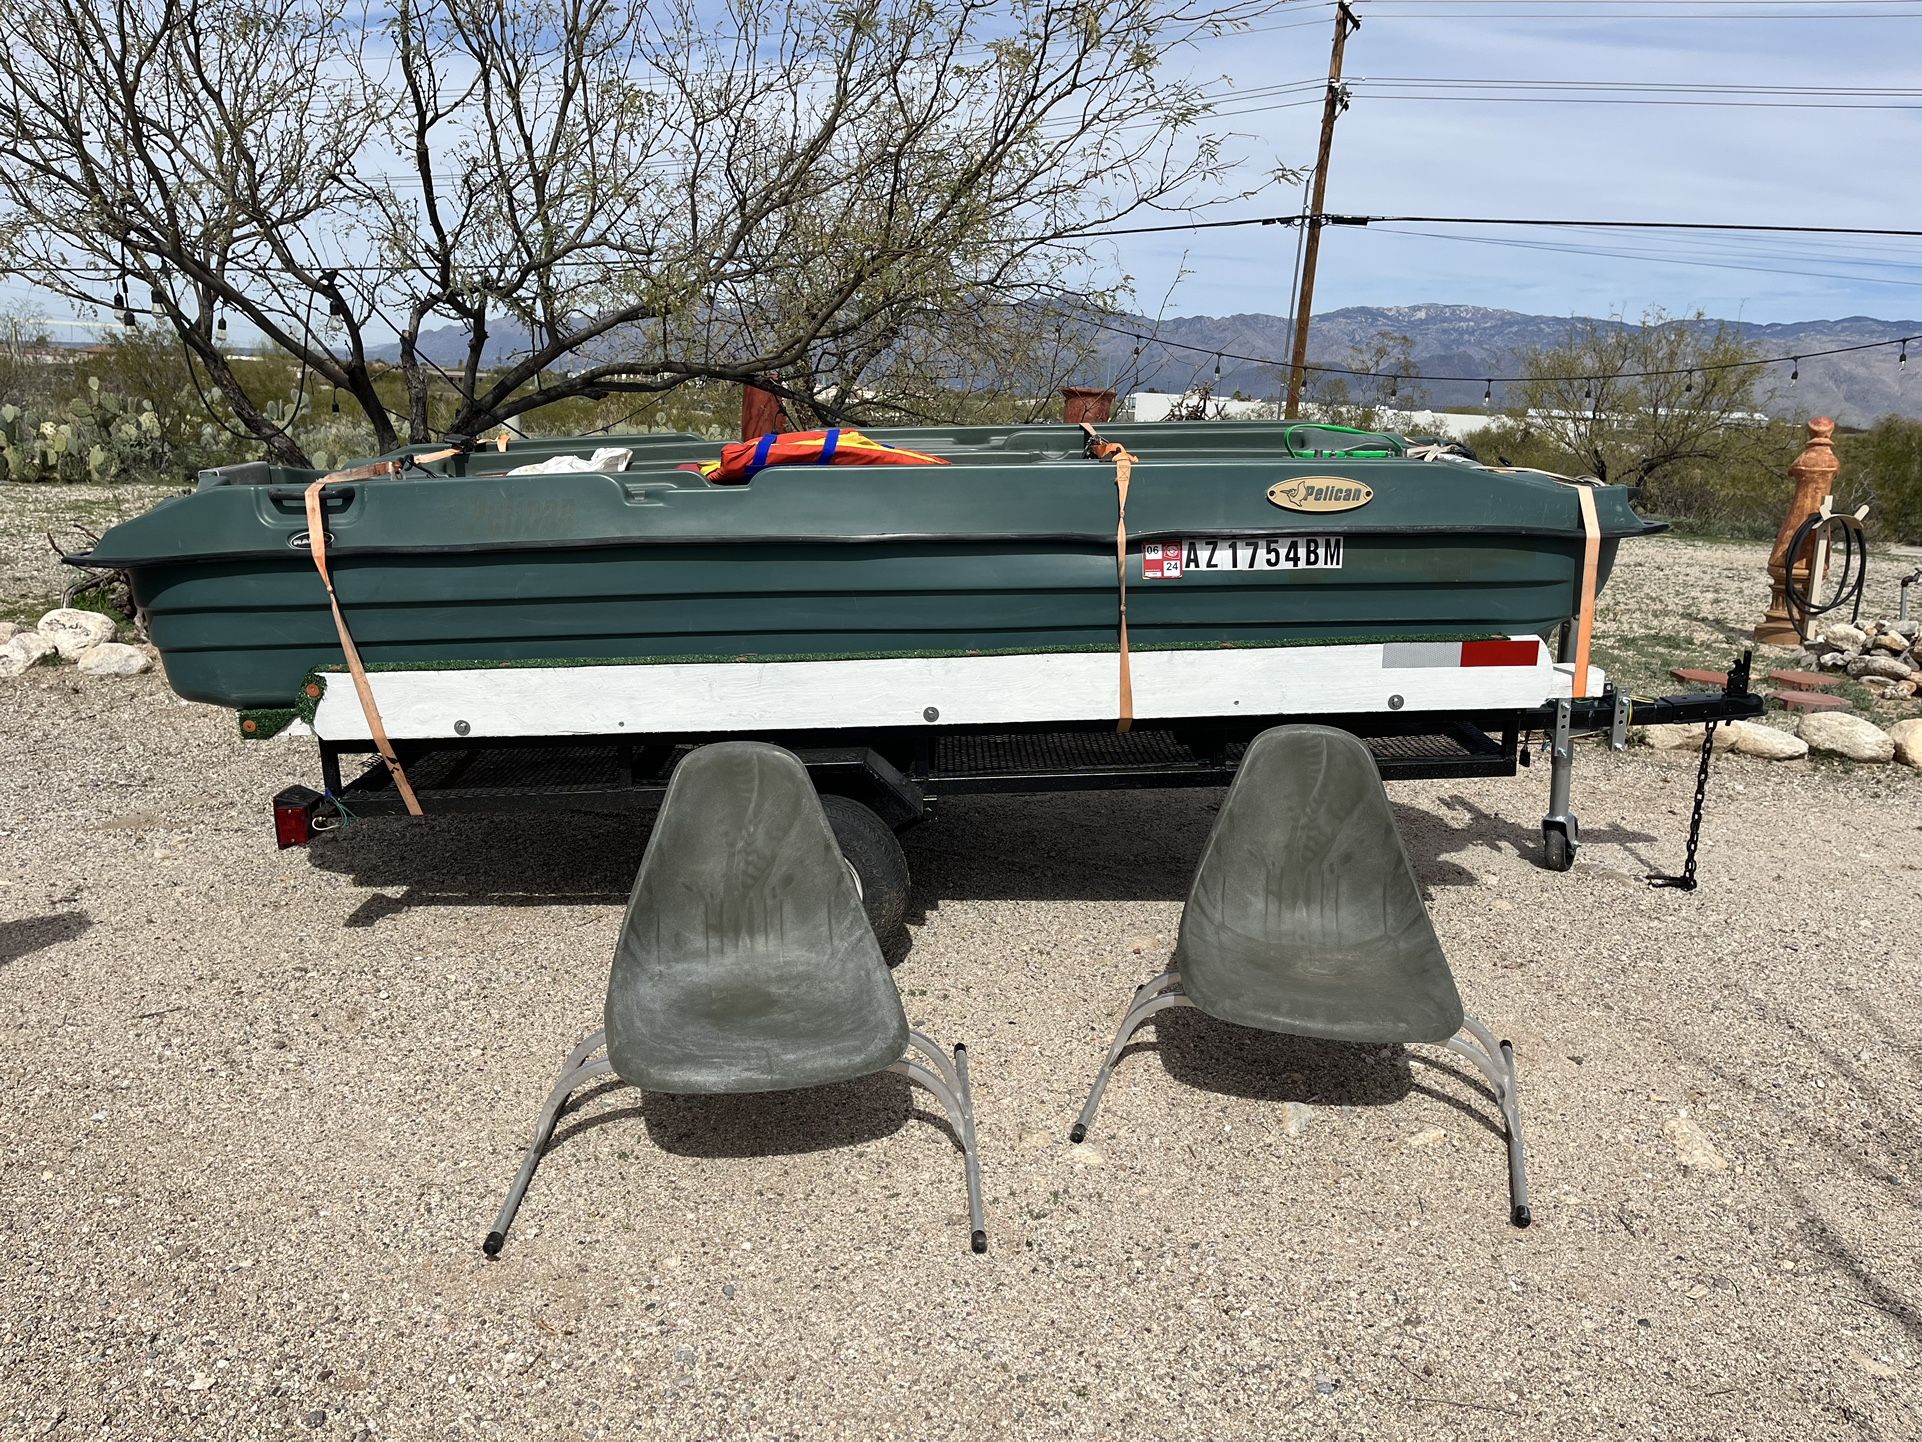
1010 549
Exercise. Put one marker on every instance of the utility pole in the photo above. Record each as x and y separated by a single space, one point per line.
1336 102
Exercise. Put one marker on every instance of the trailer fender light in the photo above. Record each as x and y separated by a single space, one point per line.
294 816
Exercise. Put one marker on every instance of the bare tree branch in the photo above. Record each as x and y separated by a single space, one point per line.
886 203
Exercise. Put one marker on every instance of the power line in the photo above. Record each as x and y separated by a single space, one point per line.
1817 5
1635 17
612 265
1692 104
1766 229
1362 220
1644 255
1624 85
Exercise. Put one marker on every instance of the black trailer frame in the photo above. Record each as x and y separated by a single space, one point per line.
902 774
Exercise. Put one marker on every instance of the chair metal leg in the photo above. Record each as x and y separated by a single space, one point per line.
576 1072
977 1224
1150 997
947 1082
1496 1061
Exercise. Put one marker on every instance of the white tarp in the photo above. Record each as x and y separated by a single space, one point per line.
607 458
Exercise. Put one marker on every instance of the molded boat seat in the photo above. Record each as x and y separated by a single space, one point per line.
746 962
1305 917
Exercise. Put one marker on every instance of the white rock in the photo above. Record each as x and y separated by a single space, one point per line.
1839 734
8 630
1832 661
1692 1146
73 631
1892 641
1874 1368
22 651
110 658
1668 738
1907 736
1841 633
1747 738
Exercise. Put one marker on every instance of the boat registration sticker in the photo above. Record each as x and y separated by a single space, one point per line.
1171 560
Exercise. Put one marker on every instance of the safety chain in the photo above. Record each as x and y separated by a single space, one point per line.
1686 881
1737 686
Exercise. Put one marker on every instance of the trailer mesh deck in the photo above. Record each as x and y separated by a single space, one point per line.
1094 760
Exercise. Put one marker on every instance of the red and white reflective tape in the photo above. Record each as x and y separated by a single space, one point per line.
1511 651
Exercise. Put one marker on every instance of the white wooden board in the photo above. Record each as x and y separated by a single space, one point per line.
751 697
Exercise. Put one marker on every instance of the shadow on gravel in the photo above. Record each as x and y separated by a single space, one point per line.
550 860
36 933
1826 1242
1485 831
758 1124
1136 845
1120 846
1851 1150
1213 1056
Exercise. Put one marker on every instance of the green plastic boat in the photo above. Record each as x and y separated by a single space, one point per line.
1238 535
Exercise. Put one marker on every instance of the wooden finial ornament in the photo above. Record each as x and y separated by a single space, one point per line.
1814 473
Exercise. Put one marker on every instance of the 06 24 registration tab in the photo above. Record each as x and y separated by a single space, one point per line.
1171 560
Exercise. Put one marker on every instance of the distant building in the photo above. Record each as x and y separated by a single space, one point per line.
1160 405
1448 425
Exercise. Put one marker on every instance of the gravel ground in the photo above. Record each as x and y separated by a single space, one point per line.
31 575
257 1109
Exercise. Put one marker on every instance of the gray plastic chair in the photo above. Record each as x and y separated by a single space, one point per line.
1305 917
746 962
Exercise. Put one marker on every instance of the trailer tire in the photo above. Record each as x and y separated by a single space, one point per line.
880 866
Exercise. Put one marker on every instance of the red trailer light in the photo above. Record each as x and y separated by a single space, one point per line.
294 816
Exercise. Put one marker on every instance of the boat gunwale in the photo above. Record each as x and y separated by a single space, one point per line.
1102 543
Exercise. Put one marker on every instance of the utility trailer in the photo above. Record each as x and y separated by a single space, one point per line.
892 739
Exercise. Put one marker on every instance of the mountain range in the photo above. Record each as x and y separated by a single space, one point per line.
1451 340
1476 341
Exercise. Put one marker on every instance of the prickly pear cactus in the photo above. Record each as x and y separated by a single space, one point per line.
93 438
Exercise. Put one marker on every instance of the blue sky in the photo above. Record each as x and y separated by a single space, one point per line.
1482 156
1635 162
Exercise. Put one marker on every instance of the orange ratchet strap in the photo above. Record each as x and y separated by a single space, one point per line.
1591 564
1124 462
317 545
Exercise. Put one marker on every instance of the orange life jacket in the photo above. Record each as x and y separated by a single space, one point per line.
837 447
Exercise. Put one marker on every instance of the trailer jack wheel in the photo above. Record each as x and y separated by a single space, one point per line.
1558 843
